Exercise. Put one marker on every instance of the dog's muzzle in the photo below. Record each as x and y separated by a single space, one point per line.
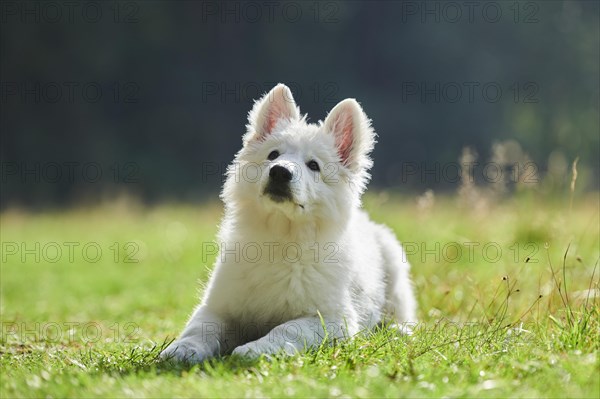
278 186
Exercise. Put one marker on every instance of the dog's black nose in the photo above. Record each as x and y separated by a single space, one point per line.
279 174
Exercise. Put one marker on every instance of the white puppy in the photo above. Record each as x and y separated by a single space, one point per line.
299 261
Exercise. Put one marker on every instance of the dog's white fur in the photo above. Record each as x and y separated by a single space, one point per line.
292 273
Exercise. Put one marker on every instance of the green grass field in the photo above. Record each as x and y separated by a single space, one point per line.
508 294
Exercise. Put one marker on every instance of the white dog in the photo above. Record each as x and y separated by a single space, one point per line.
299 262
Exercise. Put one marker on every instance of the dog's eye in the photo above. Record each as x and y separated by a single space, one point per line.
313 165
273 155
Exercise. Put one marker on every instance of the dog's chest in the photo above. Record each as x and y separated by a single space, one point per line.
284 290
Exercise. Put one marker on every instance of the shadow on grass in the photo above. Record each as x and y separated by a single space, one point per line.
146 359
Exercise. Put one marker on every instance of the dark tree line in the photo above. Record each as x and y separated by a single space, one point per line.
151 97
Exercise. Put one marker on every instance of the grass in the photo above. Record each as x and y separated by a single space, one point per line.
508 296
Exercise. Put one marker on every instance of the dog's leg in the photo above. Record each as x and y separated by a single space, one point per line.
294 336
205 335
401 304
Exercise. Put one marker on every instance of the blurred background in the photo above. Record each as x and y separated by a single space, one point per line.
149 98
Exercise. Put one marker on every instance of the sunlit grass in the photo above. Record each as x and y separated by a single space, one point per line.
508 295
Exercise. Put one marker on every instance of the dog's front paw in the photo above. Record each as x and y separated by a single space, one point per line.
184 351
253 350
248 351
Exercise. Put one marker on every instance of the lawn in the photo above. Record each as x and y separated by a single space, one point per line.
508 296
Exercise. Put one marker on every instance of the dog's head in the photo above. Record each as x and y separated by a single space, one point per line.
301 170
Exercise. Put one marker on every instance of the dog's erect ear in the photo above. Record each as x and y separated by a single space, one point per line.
276 105
354 137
